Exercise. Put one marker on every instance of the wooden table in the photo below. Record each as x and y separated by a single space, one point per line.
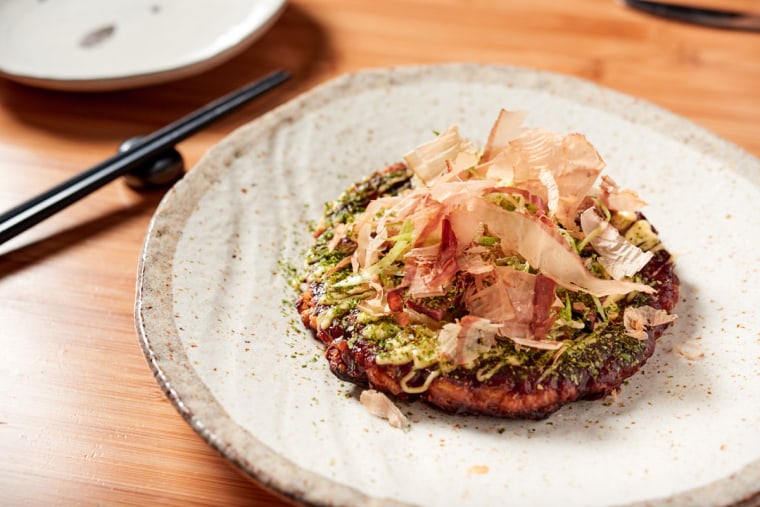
82 420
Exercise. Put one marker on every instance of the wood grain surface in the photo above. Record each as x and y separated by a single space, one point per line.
82 420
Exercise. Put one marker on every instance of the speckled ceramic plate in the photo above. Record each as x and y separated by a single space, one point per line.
215 316
88 45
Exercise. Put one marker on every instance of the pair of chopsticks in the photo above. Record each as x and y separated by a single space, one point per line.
29 213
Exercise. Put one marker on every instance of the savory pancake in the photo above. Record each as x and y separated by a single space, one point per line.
501 281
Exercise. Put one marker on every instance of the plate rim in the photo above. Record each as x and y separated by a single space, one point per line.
738 488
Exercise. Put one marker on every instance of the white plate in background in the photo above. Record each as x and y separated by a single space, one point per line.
91 45
216 322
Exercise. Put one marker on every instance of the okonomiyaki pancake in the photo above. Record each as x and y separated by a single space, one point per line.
505 281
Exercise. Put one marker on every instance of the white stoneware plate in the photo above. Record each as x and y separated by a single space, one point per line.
216 322
89 45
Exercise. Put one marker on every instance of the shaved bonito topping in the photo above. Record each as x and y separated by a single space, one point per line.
506 127
463 342
637 319
619 256
380 405
481 247
429 161
619 200
561 170
541 245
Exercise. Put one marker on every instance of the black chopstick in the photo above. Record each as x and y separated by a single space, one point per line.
31 212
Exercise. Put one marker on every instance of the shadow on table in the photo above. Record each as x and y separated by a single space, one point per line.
18 254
